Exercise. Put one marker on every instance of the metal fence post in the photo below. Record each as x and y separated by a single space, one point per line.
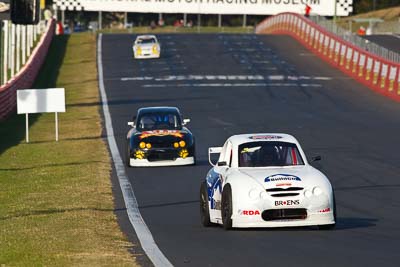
23 44
63 17
125 20
1 49
5 49
28 42
12 54
18 49
100 21
198 22
31 36
9 44
34 33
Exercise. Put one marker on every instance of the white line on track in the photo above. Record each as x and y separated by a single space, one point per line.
224 77
231 85
142 231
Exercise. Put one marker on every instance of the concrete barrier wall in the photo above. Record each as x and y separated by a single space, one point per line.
379 74
27 75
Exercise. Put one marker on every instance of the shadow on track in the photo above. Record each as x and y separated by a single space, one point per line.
169 204
136 101
344 223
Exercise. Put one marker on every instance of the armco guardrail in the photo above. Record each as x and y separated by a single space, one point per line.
27 75
356 40
379 74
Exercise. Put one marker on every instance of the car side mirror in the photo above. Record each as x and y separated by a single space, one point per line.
222 163
316 158
185 121
131 123
213 153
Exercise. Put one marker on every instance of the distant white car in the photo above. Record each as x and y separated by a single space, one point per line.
264 180
146 46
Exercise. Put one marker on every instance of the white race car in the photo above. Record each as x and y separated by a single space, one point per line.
146 46
264 180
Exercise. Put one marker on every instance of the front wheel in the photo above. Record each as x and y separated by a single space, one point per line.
204 208
226 208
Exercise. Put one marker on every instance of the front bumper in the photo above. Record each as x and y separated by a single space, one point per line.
311 211
257 221
147 163
162 157
149 55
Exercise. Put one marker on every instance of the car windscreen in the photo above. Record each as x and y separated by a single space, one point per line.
159 120
269 153
147 41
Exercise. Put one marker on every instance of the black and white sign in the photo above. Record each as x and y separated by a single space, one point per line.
249 7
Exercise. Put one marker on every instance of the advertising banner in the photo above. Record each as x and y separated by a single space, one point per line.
249 7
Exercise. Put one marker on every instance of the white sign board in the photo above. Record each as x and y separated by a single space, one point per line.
40 100
249 7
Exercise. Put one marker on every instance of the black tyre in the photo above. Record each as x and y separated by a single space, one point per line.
204 210
127 154
194 154
330 226
226 207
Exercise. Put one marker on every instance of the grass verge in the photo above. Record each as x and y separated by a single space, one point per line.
56 203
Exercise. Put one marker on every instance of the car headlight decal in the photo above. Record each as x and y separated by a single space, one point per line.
254 193
139 50
317 191
264 195
155 49
308 193
182 143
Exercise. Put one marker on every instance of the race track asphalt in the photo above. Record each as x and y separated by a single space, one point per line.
261 84
391 42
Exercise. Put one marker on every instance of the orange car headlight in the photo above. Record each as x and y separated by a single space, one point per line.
142 145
